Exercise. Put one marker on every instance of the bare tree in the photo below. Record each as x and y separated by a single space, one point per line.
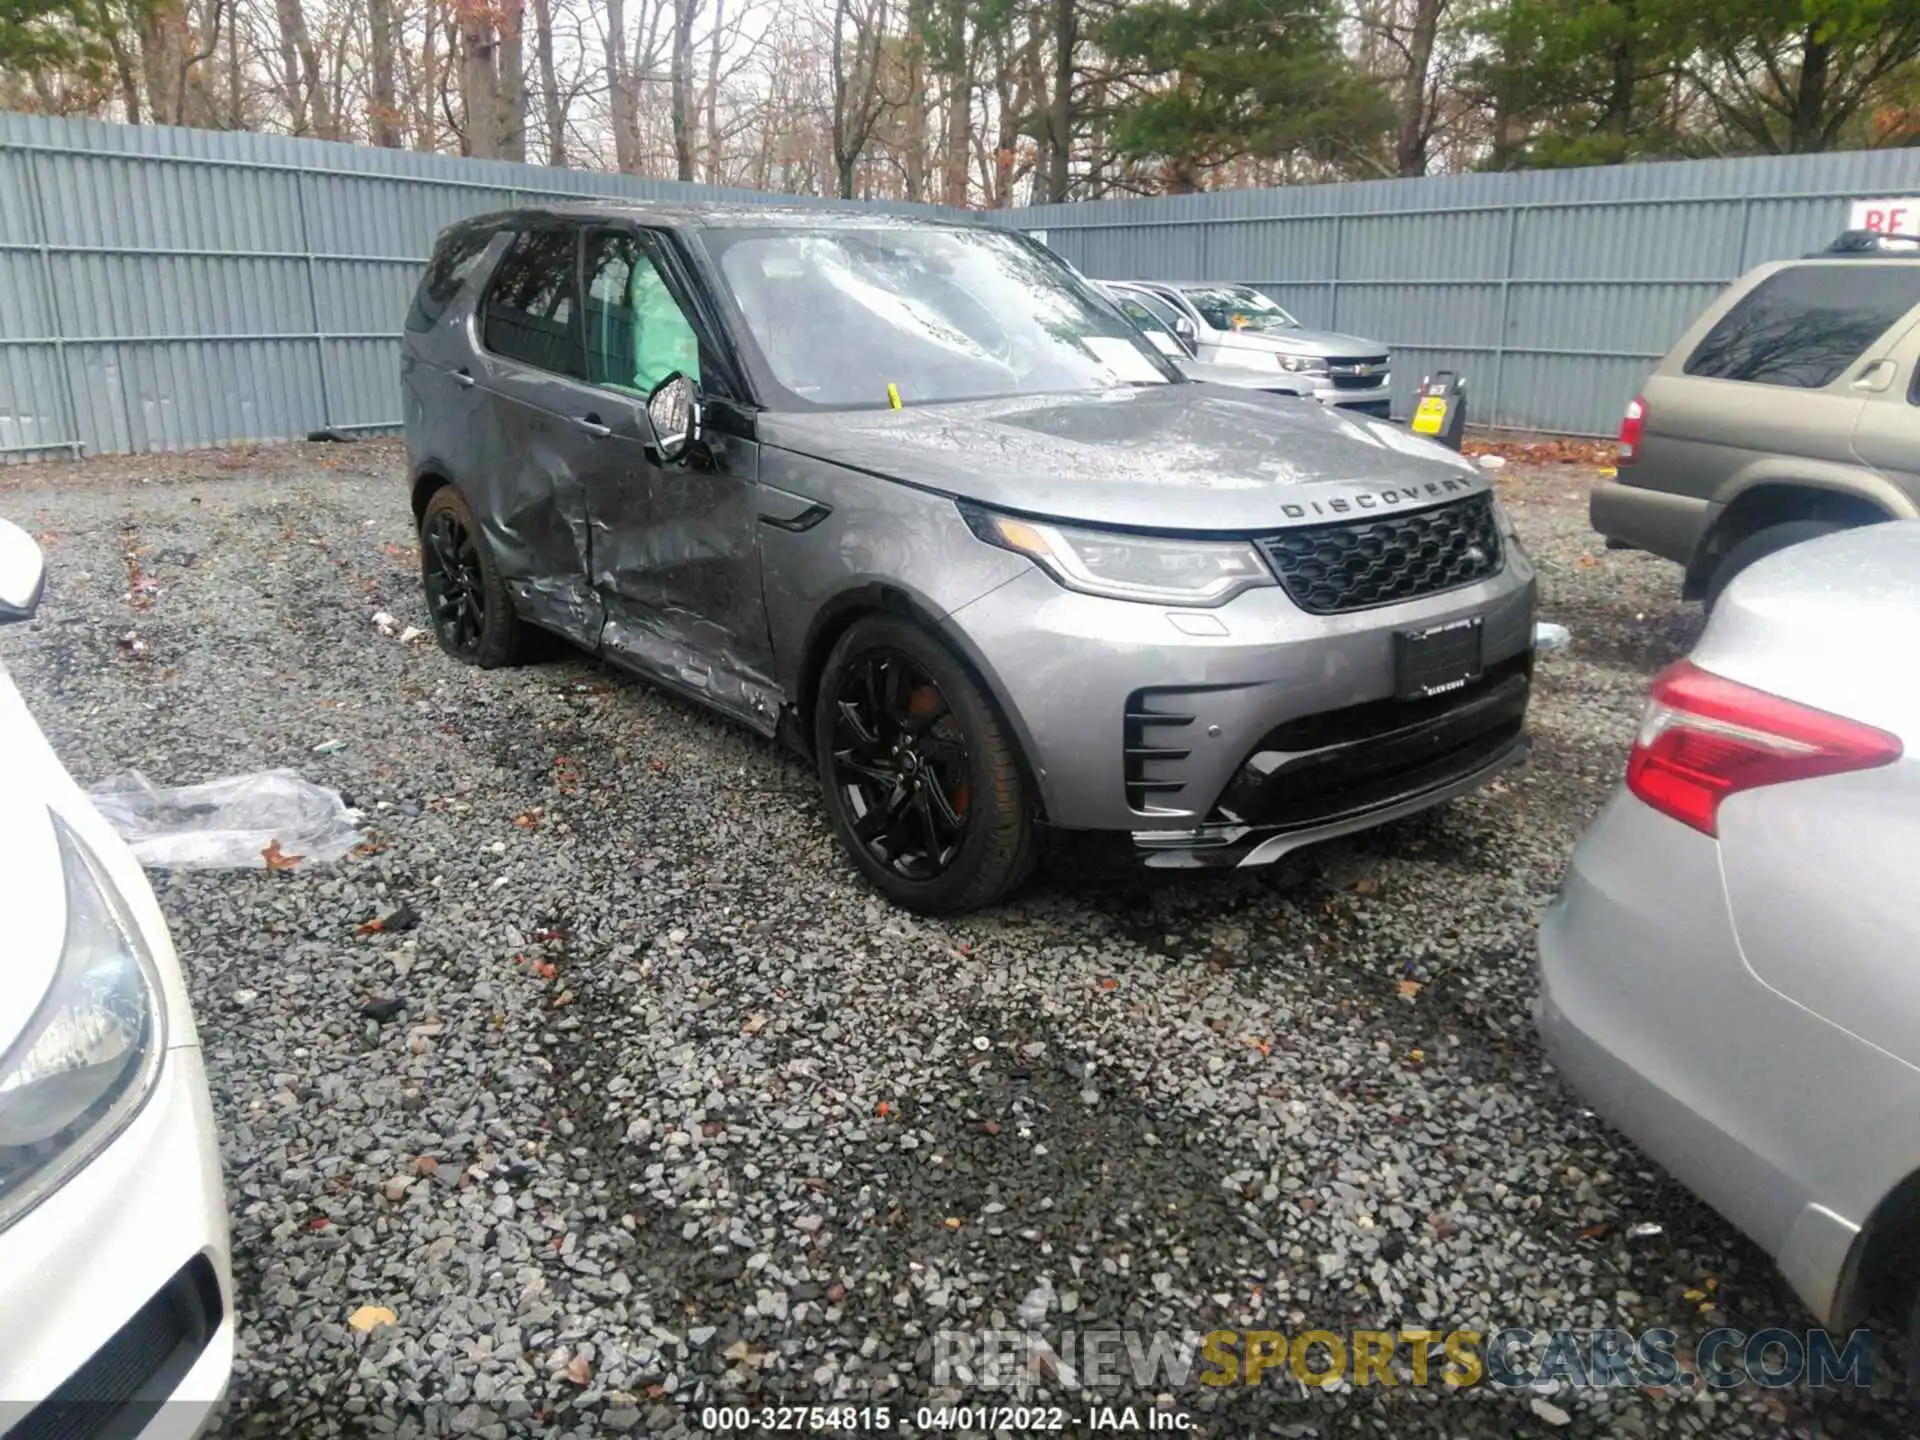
680 85
383 103
858 99
479 79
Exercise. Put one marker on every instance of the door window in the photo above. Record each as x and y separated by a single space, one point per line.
1803 327
637 333
531 315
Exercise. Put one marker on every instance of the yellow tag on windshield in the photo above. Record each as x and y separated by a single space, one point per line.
1239 322
893 395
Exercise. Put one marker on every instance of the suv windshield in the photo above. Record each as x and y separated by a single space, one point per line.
1237 307
848 318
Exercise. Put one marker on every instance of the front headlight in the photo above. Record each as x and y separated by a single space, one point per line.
1303 364
1157 568
88 1058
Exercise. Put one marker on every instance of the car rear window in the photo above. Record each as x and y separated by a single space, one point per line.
452 263
1804 326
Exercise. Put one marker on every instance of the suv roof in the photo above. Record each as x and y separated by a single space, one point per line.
708 214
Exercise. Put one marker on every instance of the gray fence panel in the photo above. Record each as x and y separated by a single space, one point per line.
1554 292
162 288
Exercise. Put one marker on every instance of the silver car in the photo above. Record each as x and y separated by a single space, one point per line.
1238 325
916 497
1147 320
1728 974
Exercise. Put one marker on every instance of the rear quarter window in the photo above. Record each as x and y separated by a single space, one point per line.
1804 326
453 262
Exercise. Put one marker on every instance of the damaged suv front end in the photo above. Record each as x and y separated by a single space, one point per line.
941 517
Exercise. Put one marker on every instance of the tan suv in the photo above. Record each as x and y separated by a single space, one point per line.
1789 410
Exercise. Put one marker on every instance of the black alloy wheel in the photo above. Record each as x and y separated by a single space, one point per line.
921 782
473 616
900 762
456 588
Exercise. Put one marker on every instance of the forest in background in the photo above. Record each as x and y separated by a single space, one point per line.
993 103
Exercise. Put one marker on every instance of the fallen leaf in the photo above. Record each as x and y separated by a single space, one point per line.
883 1109
989 1127
954 1222
657 766
1417 1056
578 1370
1410 988
738 1350
545 969
756 1022
276 859
565 997
1107 982
836 1292
656 1391
1696 1294
426 1165
1364 886
528 819
368 1317
1587 562
1595 1232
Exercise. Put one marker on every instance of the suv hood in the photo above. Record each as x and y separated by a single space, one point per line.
1325 343
1161 457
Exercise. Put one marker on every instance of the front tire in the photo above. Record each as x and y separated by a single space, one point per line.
1761 544
922 784
473 616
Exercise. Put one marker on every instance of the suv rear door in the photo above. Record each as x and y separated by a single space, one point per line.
1774 376
1887 434
530 447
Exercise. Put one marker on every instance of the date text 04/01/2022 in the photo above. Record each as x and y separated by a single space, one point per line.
993 1419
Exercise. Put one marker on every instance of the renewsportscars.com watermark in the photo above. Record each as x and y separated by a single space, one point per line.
1021 1361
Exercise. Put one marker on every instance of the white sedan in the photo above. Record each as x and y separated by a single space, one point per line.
116 1290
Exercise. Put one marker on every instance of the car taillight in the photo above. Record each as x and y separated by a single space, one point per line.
1704 738
1633 425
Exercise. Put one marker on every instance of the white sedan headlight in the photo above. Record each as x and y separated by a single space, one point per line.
88 1058
1160 569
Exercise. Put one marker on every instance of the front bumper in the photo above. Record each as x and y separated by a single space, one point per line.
116 1291
1085 682
1787 1125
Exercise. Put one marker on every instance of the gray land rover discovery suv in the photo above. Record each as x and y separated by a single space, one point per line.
919 499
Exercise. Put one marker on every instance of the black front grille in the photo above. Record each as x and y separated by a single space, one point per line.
1356 564
1358 372
123 1384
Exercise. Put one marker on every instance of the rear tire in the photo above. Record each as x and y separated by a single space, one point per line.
472 613
1761 544
922 784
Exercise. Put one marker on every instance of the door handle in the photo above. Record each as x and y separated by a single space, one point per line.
463 377
1876 377
591 424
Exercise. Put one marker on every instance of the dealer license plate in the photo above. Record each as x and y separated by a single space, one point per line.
1439 658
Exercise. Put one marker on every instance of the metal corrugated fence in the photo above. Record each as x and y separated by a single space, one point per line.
165 288
1554 292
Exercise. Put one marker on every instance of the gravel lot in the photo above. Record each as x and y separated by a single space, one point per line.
675 1110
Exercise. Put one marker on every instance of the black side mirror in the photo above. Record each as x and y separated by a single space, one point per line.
673 409
23 572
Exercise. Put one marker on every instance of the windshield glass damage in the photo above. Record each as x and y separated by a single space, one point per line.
1238 307
846 318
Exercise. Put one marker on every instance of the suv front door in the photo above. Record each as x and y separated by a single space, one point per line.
675 557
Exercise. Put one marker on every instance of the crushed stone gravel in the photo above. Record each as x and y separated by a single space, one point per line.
657 1106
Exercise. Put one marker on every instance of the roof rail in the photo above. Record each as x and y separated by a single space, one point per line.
1871 242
